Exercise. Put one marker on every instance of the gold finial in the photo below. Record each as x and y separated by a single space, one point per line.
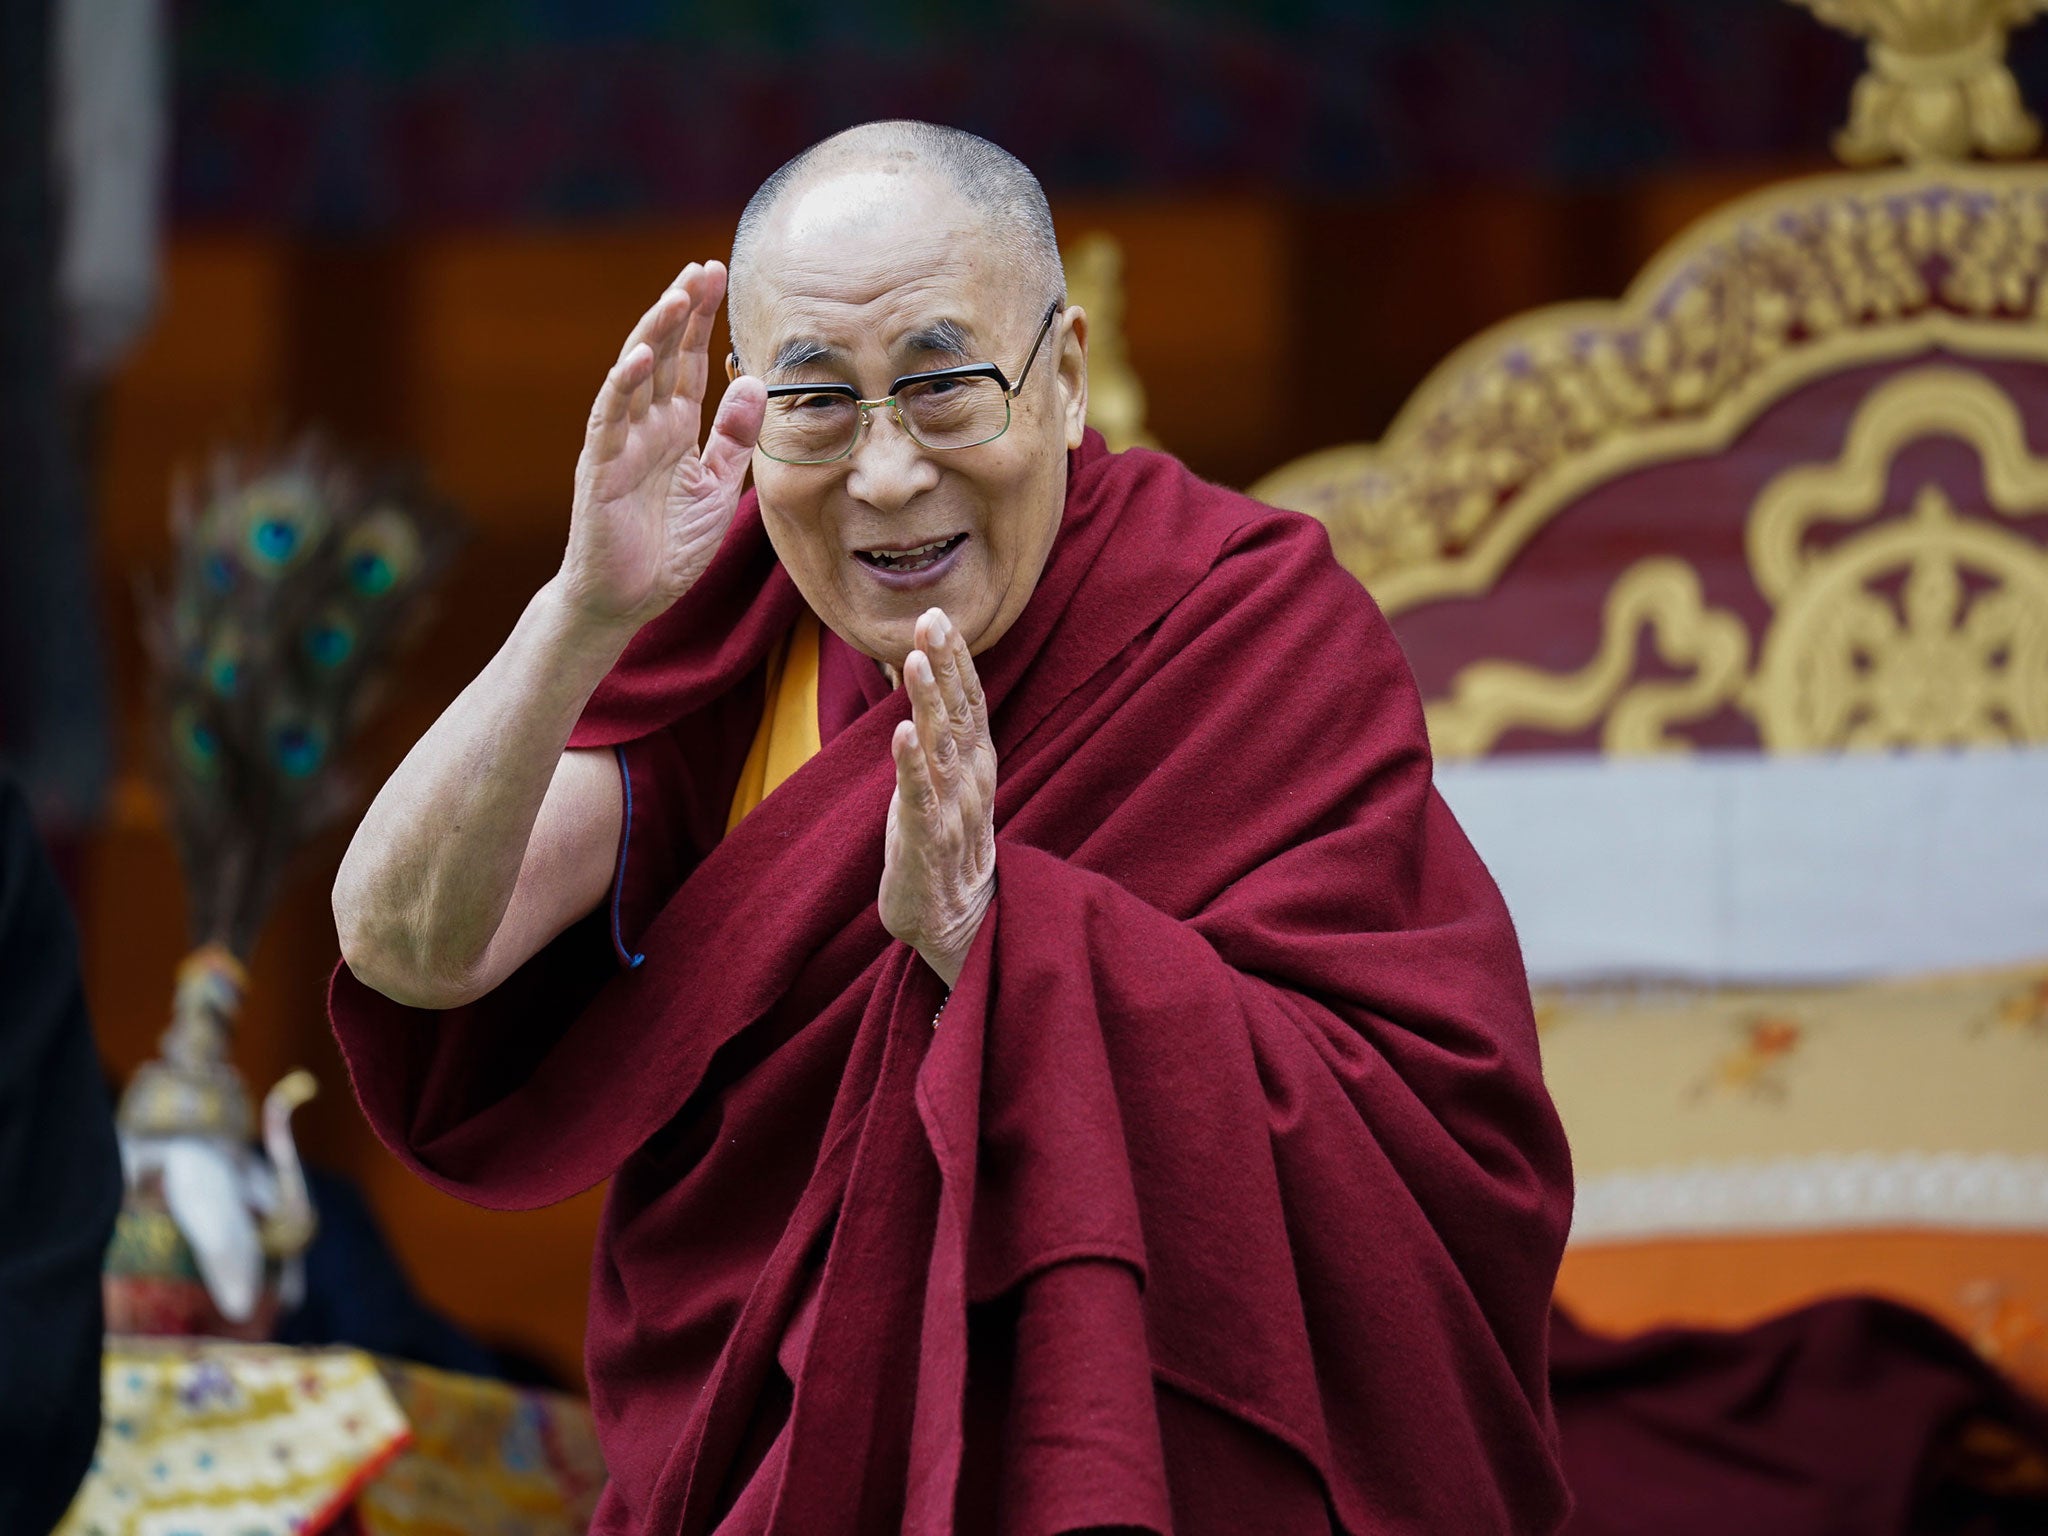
1116 400
1937 88
192 1089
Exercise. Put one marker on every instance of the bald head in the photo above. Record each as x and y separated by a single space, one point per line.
866 167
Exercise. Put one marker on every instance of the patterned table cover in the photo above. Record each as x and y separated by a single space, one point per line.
206 1437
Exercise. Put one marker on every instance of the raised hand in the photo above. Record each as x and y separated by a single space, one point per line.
651 507
939 873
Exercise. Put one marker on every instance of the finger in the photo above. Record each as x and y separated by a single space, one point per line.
914 784
693 348
927 633
928 712
736 429
666 339
664 314
948 653
611 413
970 690
642 393
685 339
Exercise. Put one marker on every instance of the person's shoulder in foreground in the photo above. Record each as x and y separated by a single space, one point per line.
60 1186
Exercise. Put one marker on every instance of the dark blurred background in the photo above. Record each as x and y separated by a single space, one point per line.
425 228
1322 169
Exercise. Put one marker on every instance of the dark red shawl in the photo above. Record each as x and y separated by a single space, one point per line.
1226 1195
1852 1417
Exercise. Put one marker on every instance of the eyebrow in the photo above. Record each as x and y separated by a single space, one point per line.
799 352
947 338
944 336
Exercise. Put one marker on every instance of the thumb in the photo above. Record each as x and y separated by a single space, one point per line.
736 428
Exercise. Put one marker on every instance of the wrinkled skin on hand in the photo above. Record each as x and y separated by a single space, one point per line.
651 506
651 509
939 874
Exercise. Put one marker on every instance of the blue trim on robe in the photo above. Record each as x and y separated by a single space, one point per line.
627 958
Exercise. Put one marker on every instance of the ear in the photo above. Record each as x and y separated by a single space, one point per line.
1072 340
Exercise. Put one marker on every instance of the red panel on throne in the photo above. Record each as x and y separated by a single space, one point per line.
1545 611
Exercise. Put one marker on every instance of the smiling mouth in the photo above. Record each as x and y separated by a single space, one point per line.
915 559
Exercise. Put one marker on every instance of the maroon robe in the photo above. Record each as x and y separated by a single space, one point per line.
1851 1417
1224 1197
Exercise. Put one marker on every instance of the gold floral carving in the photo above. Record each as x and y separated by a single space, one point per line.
1937 88
1662 595
1925 629
1776 290
1844 668
1960 657
1116 398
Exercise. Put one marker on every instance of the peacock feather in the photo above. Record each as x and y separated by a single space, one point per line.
295 579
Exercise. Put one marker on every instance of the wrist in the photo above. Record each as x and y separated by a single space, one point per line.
572 632
948 964
949 957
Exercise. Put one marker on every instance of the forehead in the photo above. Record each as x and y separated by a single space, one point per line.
865 255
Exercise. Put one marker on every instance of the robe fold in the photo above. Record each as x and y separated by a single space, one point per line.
1222 1193
1853 1415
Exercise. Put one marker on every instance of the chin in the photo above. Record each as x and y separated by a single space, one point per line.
891 639
884 630
884 637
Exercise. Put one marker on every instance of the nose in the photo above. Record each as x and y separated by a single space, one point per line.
889 468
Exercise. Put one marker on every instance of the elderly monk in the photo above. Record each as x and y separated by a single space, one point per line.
981 901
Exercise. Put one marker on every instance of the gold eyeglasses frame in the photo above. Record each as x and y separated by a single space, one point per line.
935 375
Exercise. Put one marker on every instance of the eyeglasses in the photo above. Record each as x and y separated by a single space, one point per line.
946 408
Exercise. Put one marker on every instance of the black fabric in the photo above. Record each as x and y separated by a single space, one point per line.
60 1187
54 719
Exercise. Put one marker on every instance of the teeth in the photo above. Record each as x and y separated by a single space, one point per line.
909 554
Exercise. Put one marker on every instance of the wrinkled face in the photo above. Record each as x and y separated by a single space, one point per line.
858 279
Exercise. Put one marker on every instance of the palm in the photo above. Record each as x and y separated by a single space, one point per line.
938 874
651 506
904 875
653 509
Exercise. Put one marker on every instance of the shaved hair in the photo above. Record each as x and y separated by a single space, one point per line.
988 178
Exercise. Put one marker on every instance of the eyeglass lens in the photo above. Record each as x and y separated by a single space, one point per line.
939 413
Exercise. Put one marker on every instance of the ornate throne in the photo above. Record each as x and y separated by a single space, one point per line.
1729 604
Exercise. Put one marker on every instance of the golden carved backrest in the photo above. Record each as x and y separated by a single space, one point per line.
1791 491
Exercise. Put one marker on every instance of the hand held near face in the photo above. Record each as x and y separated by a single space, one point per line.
651 505
489 839
939 870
